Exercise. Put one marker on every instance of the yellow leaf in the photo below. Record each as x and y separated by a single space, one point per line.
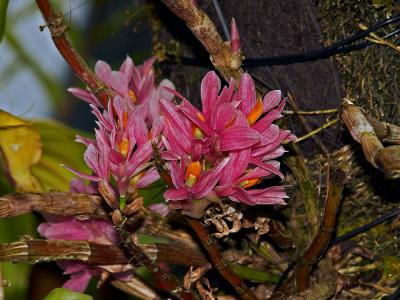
21 148
59 148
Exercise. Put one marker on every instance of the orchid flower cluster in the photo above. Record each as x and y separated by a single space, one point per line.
122 149
220 152
225 149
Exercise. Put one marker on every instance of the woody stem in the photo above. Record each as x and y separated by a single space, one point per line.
57 28
219 263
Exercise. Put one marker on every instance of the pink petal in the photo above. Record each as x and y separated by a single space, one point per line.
210 85
193 114
147 66
127 68
141 131
65 229
159 208
160 93
290 137
266 121
178 140
246 93
277 152
146 90
238 162
270 195
82 175
272 99
253 174
72 267
235 38
78 282
240 120
224 115
77 185
83 140
148 178
103 120
169 155
269 135
267 166
241 196
163 93
172 115
103 71
227 93
177 173
208 181
263 150
176 194
84 95
238 137
104 161
119 83
157 126
140 156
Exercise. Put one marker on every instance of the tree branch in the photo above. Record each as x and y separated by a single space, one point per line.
55 203
55 23
34 251
218 261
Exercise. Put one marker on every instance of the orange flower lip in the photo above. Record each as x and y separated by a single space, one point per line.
201 117
194 168
256 112
124 146
197 133
132 96
250 182
124 119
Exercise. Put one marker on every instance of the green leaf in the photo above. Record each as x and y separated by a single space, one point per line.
255 275
11 229
153 193
64 294
148 239
3 14
59 148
